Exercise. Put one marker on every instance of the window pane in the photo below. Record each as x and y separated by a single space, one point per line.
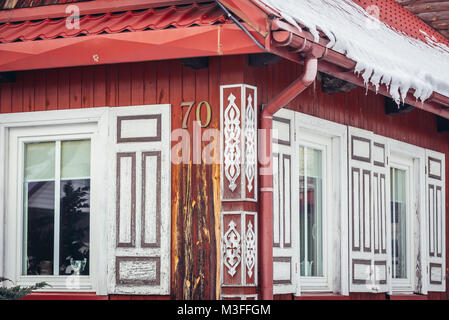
74 232
399 223
39 219
39 161
311 226
75 159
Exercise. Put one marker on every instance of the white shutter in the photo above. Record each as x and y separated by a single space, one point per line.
285 205
435 221
139 237
369 212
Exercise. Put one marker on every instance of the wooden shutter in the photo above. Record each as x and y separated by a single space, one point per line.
369 212
435 221
285 205
139 212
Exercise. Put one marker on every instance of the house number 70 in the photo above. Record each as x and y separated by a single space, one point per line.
198 113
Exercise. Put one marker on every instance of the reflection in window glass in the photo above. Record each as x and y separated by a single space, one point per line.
310 220
40 227
399 223
74 234
42 246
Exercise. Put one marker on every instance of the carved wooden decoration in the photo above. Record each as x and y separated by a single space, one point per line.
239 248
139 250
239 142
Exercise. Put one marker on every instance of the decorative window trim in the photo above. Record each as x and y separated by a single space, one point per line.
91 122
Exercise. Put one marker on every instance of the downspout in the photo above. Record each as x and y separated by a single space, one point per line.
266 170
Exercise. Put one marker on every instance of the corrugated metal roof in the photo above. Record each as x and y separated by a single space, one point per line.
150 19
17 4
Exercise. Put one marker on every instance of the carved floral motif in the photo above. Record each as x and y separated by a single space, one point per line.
250 244
232 248
232 133
250 139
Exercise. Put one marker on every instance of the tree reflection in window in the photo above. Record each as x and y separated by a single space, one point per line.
74 232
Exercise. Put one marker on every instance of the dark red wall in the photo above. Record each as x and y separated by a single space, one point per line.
358 108
194 240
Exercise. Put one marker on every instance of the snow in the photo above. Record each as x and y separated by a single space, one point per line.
383 55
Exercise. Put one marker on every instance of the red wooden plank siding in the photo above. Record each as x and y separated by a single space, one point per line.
195 245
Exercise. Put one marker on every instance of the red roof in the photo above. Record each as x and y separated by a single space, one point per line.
5 4
150 19
396 16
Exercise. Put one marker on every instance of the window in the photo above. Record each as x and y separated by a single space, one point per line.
309 211
85 194
399 221
54 198
402 200
354 211
56 208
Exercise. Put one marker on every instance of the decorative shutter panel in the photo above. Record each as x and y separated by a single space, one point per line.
285 202
140 214
369 212
435 221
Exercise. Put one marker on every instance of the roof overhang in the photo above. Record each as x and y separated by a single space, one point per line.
201 41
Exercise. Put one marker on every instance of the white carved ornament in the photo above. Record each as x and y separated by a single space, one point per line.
250 137
250 243
232 248
232 134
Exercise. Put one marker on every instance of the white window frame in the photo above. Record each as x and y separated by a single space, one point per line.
403 155
312 131
51 126
400 163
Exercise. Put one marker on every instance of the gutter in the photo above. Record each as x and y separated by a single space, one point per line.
338 65
266 179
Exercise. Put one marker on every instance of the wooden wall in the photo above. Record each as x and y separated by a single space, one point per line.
358 108
196 187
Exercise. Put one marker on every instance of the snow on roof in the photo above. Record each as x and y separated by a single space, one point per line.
383 55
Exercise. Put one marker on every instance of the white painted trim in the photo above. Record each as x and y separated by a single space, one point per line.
243 231
243 193
441 183
164 252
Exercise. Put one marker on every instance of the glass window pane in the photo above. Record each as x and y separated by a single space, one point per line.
314 164
75 159
39 227
74 227
311 225
39 161
399 223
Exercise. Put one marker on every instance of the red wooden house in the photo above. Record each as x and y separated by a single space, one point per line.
231 149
